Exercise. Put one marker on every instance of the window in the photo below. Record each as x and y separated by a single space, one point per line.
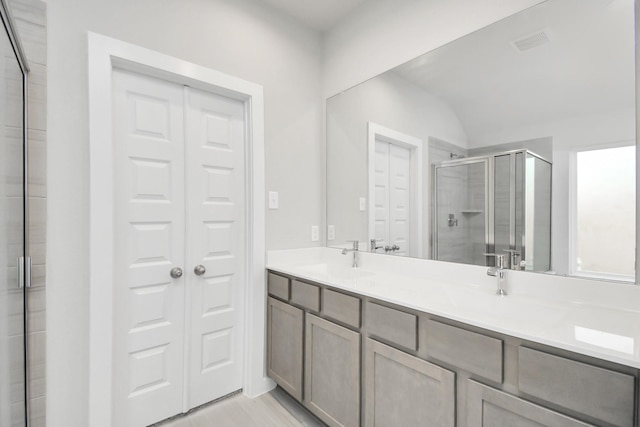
605 231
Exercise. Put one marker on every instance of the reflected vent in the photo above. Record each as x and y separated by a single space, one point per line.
532 41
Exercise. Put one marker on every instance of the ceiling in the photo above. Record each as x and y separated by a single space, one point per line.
320 15
585 67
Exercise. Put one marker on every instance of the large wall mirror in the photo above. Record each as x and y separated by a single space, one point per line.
516 140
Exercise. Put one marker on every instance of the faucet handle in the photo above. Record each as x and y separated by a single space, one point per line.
500 259
374 246
356 244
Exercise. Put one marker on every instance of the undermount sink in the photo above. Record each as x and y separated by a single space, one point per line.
335 272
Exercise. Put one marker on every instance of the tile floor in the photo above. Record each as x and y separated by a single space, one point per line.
273 409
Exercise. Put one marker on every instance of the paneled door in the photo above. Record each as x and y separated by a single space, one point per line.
179 259
393 197
215 243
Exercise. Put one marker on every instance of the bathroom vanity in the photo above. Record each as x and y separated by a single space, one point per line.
381 345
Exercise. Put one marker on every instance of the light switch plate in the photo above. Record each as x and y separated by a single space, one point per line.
363 203
273 200
331 232
315 233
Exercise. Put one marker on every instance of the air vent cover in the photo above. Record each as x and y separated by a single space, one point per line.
531 41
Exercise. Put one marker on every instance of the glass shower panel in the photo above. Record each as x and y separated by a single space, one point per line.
12 239
538 214
460 217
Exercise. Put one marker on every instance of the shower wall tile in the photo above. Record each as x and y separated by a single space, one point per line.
33 37
36 360
36 318
37 239
37 150
17 417
29 11
37 108
440 150
37 411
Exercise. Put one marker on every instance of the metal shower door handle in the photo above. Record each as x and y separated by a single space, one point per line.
199 270
176 272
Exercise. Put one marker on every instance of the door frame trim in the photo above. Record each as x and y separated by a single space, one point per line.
414 145
105 54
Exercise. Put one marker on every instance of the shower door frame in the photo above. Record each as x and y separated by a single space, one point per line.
488 201
24 261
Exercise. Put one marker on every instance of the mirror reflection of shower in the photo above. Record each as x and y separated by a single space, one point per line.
494 203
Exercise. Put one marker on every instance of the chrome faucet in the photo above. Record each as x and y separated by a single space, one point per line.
498 272
373 246
354 264
514 259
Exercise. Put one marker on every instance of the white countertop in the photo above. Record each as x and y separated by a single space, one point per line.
594 318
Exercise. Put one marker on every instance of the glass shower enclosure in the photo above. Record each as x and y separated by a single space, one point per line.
13 235
498 203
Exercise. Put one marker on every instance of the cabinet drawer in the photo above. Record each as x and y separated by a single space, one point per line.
473 352
305 295
278 286
489 407
392 325
597 392
341 307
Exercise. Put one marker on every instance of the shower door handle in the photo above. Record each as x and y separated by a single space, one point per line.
21 272
24 272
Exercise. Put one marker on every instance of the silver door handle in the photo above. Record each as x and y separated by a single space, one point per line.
199 270
20 272
176 272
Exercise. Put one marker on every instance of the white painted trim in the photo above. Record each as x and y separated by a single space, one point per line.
573 213
105 54
376 131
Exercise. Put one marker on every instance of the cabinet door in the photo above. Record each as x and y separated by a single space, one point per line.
488 407
332 372
402 390
285 339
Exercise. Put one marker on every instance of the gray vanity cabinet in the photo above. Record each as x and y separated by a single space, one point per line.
488 407
403 390
332 372
285 333
424 371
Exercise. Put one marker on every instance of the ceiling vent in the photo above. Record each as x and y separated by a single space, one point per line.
532 41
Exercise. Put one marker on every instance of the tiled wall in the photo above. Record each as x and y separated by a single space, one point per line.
30 20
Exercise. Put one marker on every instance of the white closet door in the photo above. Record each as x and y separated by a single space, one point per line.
400 198
149 243
393 197
216 232
382 194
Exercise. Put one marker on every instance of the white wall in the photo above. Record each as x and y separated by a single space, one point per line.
243 38
383 34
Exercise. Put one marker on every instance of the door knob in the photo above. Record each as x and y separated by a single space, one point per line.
176 272
199 270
